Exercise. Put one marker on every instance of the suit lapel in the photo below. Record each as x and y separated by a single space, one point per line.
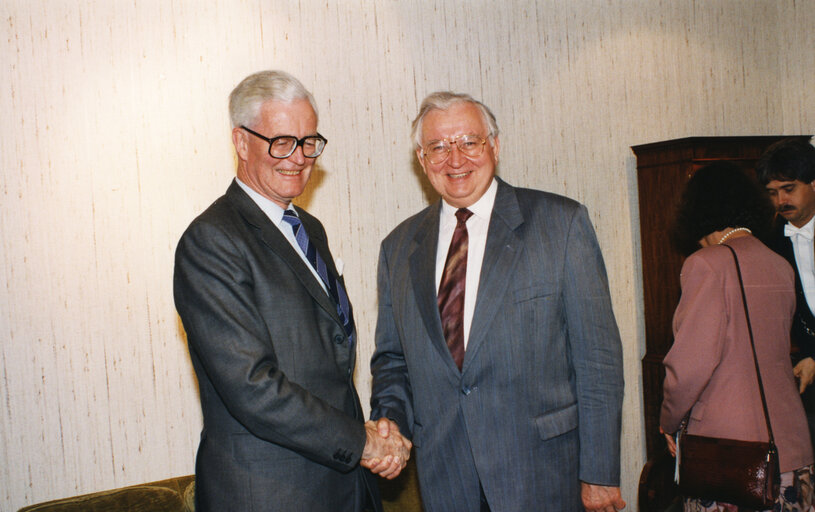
317 237
423 277
271 236
783 245
501 256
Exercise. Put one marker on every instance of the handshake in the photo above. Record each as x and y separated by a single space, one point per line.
386 450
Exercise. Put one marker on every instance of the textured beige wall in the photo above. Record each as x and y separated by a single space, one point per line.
114 135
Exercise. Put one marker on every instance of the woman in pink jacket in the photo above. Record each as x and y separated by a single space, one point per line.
709 370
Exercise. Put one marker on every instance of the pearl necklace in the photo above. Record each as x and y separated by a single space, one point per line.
730 233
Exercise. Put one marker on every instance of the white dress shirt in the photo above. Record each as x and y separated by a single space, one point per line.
275 214
477 226
802 246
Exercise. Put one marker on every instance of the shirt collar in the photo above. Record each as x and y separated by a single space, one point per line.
806 231
269 207
481 208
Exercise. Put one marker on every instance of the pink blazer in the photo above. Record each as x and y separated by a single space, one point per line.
710 367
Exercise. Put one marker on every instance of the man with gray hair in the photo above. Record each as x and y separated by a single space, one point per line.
271 331
497 351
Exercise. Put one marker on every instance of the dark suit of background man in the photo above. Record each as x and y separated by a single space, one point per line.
283 427
530 420
787 170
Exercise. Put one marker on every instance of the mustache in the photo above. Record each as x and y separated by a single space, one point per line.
785 208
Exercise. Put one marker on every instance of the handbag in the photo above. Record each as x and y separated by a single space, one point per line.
744 473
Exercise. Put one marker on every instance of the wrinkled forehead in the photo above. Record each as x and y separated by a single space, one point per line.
295 117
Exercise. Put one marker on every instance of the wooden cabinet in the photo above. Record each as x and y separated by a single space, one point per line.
663 168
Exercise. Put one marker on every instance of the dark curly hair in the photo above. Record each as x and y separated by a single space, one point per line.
718 196
787 160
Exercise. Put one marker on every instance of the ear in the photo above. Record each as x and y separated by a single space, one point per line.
496 148
421 159
241 143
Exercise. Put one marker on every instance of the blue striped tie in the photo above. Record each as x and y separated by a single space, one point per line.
335 288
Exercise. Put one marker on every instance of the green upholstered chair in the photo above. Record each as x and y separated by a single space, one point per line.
171 495
178 494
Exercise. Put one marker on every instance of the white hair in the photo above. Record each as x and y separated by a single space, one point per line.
256 89
443 100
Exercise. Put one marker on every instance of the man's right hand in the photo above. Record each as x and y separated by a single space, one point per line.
386 450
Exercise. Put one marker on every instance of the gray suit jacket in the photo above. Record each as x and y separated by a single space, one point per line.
537 405
283 427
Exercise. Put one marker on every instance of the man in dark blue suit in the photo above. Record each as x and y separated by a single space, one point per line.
787 170
497 351
271 331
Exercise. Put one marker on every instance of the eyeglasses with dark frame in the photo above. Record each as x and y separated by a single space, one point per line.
437 151
284 146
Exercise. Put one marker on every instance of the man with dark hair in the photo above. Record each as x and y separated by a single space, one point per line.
787 170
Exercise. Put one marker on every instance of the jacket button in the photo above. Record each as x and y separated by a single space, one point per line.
338 339
465 391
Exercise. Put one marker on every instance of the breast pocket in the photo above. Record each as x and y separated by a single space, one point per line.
534 292
531 310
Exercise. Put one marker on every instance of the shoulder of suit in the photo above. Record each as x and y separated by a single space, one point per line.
549 199
542 195
547 206
409 226
213 213
226 214
534 196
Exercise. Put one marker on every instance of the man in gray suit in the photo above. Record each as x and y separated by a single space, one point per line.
271 331
506 375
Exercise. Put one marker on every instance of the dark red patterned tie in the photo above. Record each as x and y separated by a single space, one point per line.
451 289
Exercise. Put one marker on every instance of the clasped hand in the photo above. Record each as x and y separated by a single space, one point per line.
386 450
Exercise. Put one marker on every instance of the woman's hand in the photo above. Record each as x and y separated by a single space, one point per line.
804 371
671 443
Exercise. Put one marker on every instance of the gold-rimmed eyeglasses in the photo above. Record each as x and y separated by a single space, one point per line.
437 151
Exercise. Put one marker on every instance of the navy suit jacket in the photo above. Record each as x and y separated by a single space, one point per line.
283 427
537 405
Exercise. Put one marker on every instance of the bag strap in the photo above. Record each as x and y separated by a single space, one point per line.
753 346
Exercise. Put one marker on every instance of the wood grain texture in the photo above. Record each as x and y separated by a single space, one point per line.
115 135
